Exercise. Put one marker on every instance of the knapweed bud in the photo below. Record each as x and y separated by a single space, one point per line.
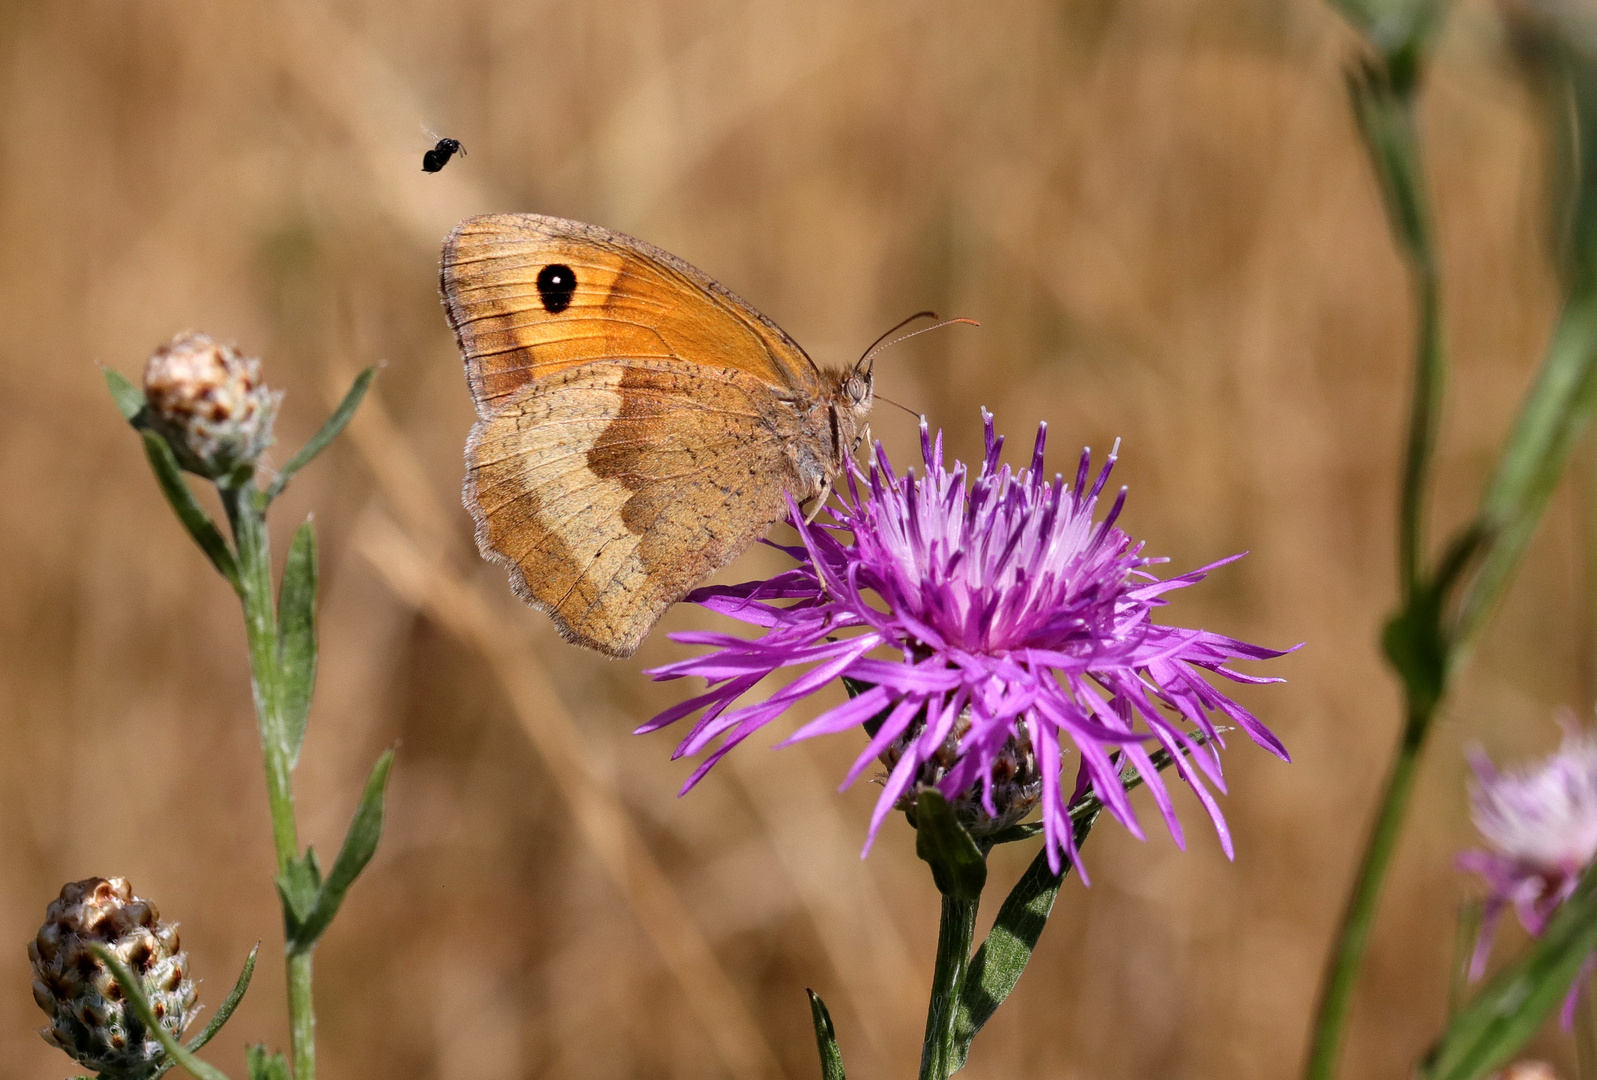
90 1017
208 401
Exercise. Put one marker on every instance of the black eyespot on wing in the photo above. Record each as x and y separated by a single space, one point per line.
556 285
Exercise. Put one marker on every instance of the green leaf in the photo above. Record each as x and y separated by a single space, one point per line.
1561 400
189 512
296 638
141 1008
360 843
229 1004
327 434
1400 30
300 885
825 1039
1545 433
128 397
264 1064
223 1014
959 867
998 963
1508 1011
1024 831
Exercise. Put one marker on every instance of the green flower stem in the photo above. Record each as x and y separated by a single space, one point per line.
1353 936
246 514
302 1015
1415 643
1430 369
260 627
940 1054
1429 638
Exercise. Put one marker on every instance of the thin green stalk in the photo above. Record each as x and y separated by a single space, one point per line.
1425 414
1414 640
302 1015
260 628
1353 936
245 514
940 1054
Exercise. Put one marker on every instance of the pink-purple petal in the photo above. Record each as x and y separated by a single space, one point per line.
1006 596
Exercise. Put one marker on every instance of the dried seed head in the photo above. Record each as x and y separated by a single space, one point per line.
89 1015
209 403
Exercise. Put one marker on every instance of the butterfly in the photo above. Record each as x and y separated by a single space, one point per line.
638 425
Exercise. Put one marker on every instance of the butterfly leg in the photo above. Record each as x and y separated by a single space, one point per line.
865 437
820 501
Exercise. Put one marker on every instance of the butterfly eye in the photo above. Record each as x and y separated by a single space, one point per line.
855 389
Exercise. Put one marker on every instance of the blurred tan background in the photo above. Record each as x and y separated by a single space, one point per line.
1160 213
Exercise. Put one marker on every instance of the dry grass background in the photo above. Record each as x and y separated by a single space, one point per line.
1160 213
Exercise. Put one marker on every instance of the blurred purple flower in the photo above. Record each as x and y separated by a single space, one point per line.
1540 825
1018 623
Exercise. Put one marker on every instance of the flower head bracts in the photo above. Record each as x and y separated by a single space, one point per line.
1540 825
1018 628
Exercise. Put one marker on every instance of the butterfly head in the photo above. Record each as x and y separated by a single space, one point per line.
854 398
847 399
859 388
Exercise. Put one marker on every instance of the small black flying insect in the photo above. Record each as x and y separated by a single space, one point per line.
439 156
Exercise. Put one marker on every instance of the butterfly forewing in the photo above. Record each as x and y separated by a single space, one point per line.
626 300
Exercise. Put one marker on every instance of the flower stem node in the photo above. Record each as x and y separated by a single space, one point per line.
208 402
90 1016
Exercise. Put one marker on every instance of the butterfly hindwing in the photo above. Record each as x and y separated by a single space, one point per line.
610 492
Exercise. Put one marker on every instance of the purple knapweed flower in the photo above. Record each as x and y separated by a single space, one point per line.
997 626
1540 825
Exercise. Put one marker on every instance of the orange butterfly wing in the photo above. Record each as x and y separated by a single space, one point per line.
630 301
637 427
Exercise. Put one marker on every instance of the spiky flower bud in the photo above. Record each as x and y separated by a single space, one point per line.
90 1017
208 401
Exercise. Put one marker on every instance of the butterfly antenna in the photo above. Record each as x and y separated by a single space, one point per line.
896 405
871 349
880 345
